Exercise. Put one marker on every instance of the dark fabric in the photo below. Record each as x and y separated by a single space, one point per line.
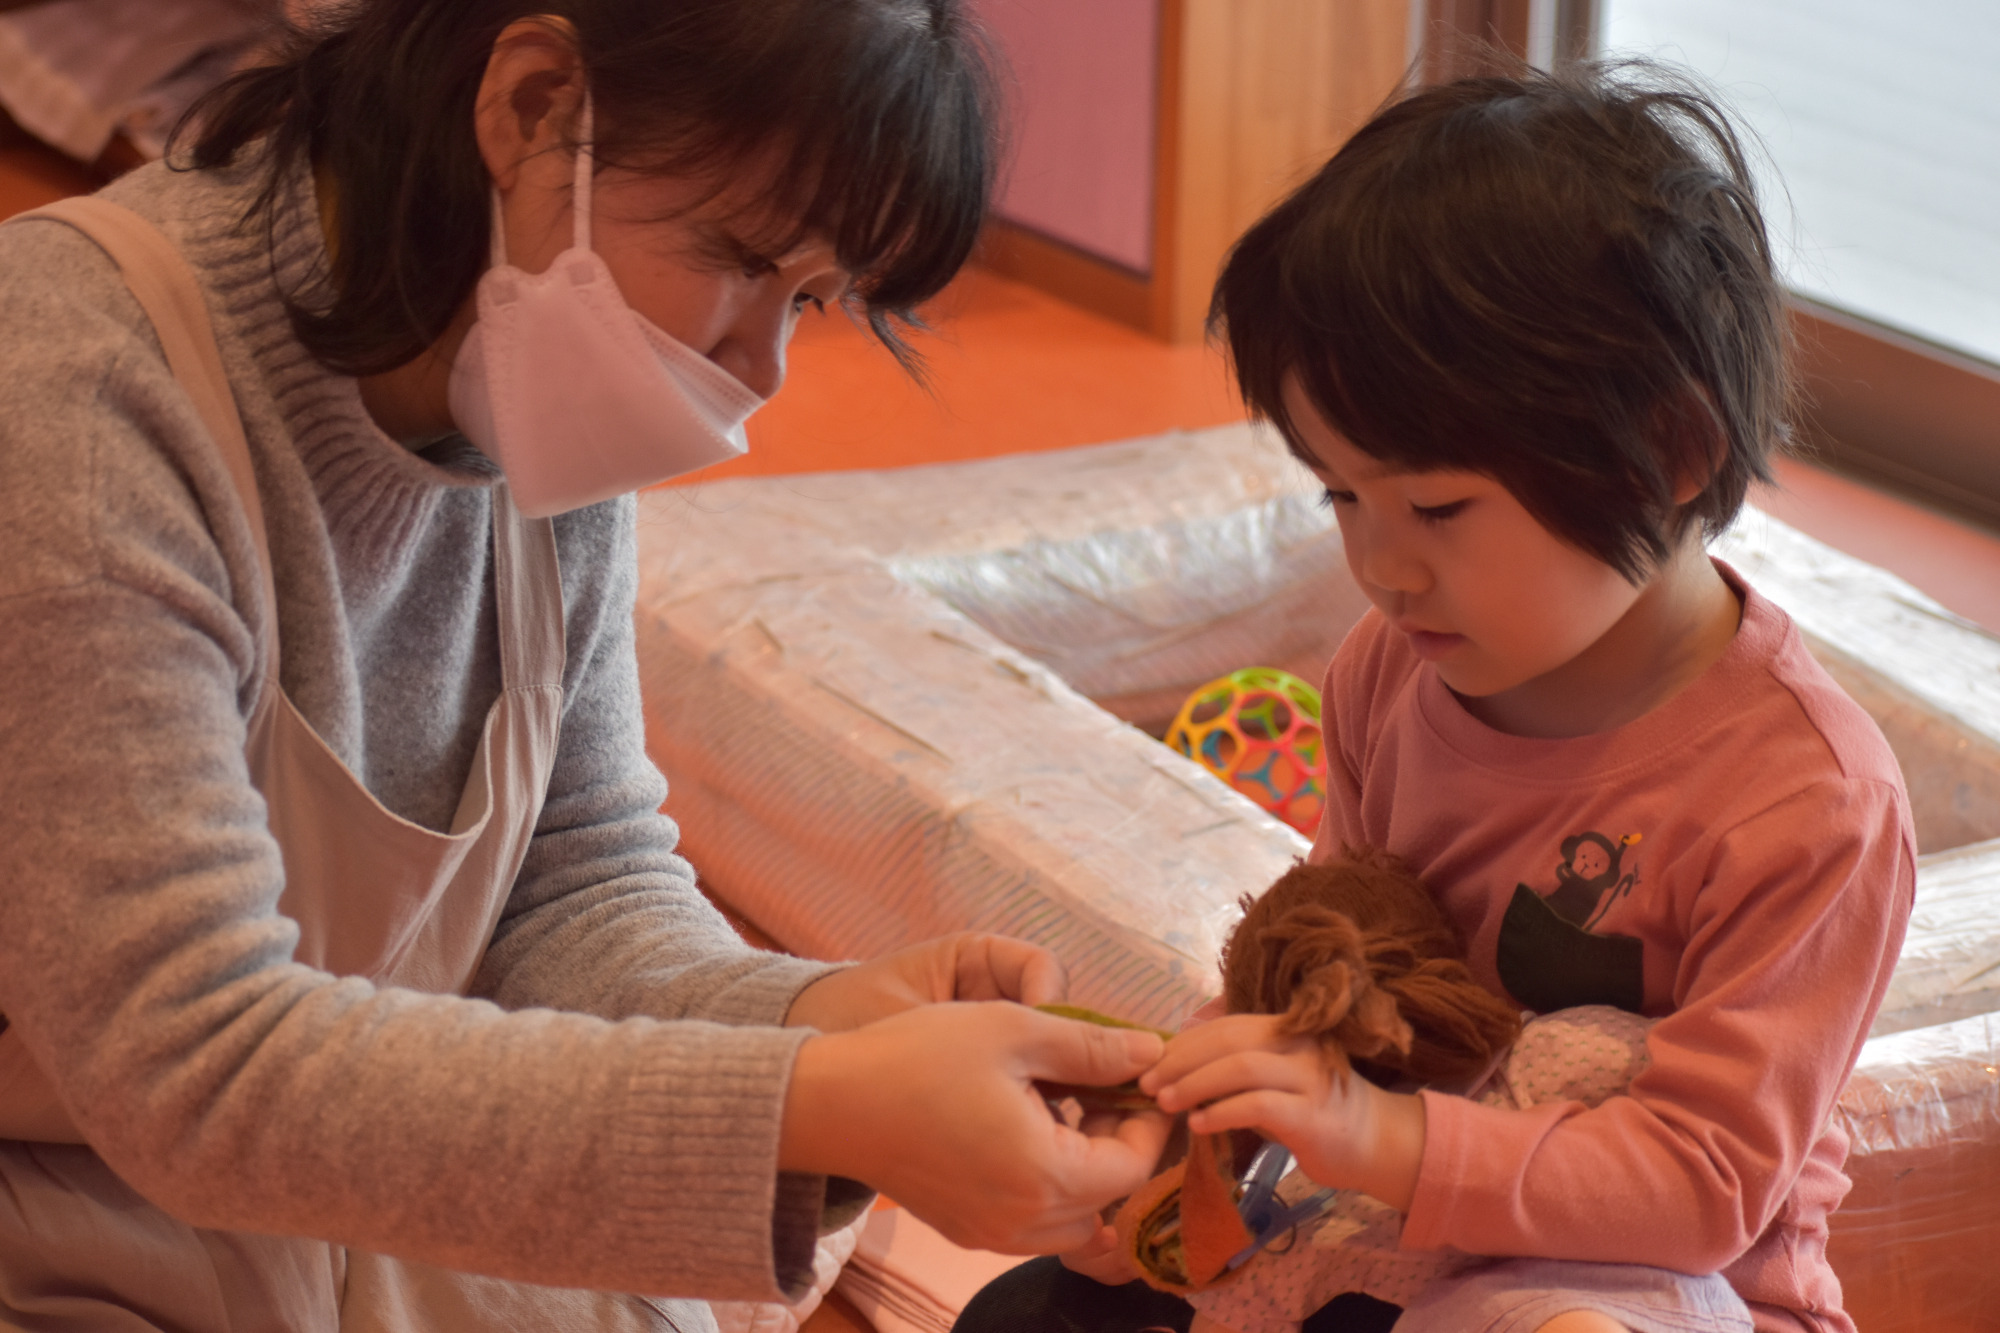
1041 1296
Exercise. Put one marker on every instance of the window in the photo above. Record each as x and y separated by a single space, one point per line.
1883 123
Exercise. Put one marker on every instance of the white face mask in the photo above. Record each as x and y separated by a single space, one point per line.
576 395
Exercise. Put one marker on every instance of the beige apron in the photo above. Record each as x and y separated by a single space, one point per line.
374 895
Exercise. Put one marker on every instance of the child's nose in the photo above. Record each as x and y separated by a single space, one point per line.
1381 561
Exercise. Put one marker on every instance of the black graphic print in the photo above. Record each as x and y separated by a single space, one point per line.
1549 958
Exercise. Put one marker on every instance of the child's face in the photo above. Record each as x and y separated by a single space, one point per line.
1473 580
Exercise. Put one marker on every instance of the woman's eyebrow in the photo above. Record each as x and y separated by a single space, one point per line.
717 240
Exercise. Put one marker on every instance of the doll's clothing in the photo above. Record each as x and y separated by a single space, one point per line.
1520 1295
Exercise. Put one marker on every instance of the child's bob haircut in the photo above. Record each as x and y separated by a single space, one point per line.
1561 281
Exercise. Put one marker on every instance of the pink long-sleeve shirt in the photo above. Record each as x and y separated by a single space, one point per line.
1739 863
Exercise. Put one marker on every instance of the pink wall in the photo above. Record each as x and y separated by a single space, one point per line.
1080 93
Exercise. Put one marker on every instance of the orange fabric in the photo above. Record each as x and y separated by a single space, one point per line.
1196 1197
1212 1232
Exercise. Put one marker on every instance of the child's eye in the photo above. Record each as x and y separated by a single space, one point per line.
800 300
1439 513
1329 497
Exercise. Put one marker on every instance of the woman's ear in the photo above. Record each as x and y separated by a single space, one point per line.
528 98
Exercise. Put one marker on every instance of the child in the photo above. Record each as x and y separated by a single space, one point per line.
1526 332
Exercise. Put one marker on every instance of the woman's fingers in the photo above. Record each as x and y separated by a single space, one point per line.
997 967
1063 1050
937 1106
965 966
1146 1131
1102 1259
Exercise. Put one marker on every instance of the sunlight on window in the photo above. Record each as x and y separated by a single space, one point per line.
1883 121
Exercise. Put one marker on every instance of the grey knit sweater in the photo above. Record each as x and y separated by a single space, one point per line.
606 1113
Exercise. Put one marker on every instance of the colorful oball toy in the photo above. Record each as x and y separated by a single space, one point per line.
1258 730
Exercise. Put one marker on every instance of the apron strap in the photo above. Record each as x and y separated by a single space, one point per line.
527 583
165 287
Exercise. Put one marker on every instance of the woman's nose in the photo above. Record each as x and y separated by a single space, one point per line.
757 359
752 347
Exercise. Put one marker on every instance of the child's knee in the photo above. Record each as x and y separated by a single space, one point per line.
1582 1321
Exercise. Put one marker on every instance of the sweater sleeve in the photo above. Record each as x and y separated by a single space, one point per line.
1791 943
604 917
147 970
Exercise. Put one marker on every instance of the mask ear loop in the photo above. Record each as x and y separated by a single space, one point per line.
497 232
585 161
579 201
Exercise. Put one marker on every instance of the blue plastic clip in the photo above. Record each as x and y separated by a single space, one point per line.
1260 1208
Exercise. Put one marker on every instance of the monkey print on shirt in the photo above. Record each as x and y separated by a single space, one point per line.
1551 955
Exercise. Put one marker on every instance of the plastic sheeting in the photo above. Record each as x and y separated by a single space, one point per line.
858 764
76 72
872 694
1930 679
1916 1243
1951 957
1137 619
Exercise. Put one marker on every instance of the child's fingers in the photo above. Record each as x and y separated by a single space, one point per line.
1209 1042
1278 1115
1300 1073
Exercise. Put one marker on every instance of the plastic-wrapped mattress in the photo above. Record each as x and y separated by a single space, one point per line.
76 72
895 704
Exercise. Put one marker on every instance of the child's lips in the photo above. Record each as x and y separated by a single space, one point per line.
1431 644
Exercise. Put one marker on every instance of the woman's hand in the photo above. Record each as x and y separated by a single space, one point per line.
1102 1258
965 966
1239 1073
937 1108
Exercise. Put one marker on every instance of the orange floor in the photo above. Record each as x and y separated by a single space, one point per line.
1010 370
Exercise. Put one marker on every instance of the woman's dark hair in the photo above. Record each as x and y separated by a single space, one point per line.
1561 281
870 122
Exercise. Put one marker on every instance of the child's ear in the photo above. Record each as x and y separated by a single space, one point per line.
1694 441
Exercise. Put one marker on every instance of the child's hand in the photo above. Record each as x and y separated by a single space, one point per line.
937 1107
1343 1130
965 966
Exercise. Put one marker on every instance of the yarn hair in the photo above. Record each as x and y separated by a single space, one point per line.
1358 954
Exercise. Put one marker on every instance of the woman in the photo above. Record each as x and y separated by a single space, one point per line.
335 903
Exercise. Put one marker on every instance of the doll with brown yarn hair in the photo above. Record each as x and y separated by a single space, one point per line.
1356 954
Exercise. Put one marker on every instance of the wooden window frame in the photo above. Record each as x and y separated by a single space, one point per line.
1216 131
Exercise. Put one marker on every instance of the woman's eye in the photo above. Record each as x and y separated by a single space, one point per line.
801 300
1329 497
1439 513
